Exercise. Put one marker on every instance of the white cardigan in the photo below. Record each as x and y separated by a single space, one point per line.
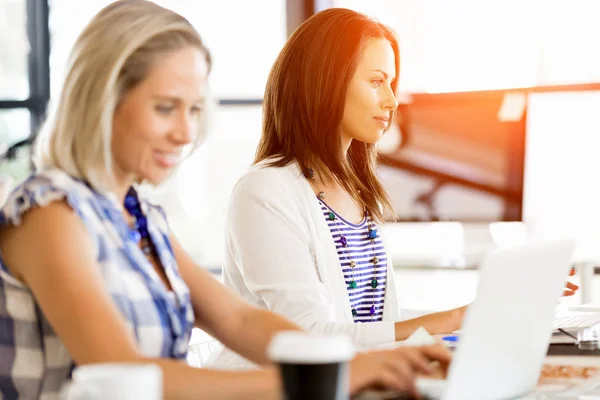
280 256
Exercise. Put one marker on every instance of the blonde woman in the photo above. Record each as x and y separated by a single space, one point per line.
89 271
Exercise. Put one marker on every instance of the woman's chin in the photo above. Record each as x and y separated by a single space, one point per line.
156 177
371 139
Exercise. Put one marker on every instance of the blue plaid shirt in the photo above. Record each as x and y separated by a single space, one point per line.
34 363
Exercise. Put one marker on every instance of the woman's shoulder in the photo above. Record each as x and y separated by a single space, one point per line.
41 189
266 175
50 178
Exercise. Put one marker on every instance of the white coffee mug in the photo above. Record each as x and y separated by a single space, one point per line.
115 381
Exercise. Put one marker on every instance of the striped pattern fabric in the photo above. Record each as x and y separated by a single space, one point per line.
360 250
34 363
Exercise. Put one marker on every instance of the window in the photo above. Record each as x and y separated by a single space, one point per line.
568 52
243 46
14 127
64 29
243 49
475 45
24 83
14 49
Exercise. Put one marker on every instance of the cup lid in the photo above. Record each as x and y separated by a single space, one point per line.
309 348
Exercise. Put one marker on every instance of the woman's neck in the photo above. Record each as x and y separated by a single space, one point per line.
322 178
122 182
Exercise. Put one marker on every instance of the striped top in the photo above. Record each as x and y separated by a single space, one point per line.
360 249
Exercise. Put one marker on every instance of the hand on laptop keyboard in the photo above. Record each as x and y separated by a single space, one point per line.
396 369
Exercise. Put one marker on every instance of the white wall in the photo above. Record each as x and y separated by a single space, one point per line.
562 179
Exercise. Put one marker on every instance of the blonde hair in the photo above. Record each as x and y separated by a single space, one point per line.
111 56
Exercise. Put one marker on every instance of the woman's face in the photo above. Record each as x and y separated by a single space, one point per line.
370 98
158 117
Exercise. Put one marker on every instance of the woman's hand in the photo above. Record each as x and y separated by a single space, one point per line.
448 321
436 323
395 369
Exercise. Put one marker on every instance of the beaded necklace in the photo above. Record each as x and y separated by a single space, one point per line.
177 311
372 236
139 233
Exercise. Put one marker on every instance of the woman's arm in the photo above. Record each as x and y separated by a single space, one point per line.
245 329
436 323
52 252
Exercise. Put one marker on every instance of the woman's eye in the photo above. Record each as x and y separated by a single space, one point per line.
165 110
377 82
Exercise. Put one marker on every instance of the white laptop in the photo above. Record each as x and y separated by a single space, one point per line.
506 331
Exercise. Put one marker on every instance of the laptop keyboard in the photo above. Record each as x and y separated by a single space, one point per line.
577 320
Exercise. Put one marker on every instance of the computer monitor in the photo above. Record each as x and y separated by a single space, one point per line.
459 157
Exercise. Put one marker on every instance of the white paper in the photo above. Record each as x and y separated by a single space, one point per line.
419 337
512 107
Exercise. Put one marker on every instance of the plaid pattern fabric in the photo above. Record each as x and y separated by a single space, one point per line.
33 361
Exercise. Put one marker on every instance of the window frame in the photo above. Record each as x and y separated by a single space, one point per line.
38 62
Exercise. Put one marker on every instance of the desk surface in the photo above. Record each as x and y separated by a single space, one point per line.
588 394
590 388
